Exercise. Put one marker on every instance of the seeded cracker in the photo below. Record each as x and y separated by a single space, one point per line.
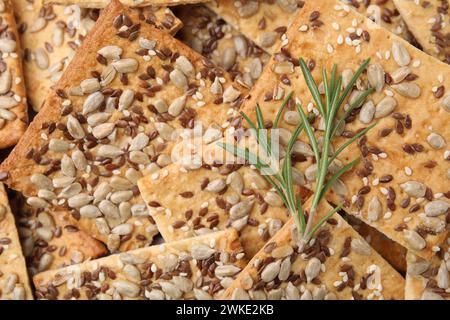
265 22
403 176
13 106
428 280
50 36
112 119
50 243
209 35
131 3
197 268
336 265
14 283
429 22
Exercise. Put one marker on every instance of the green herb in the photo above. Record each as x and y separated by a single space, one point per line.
328 107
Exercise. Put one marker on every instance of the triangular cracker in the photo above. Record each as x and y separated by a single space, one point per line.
131 3
50 243
112 115
428 20
196 268
265 22
13 102
337 264
405 167
208 34
50 36
429 280
14 282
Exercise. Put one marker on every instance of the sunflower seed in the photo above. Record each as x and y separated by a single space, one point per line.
36 202
79 200
46 195
132 272
216 87
57 145
312 269
446 103
109 151
89 211
385 107
90 85
111 52
400 54
58 36
5 82
374 209
178 78
156 294
120 184
302 148
42 60
97 118
121 196
226 271
443 276
124 211
107 76
375 75
38 25
414 189
125 65
430 295
41 181
360 247
407 89
347 75
129 258
10 283
126 99
434 224
139 210
285 269
292 117
248 9
256 68
123 229
74 127
133 175
400 74
185 66
165 131
436 140
79 160
216 185
414 240
177 106
239 294
7 115
93 102
240 209
230 94
418 267
67 166
8 102
270 272
103 130
109 209
367 112
102 226
436 208
201 251
127 288
171 290
235 181
45 262
70 191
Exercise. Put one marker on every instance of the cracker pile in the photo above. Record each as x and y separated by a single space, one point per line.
112 198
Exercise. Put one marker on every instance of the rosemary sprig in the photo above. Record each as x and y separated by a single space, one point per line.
328 107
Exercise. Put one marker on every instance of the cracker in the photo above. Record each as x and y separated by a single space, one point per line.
209 35
407 145
188 203
338 264
148 82
265 22
428 21
428 280
13 104
390 250
50 243
50 36
196 268
14 282
131 3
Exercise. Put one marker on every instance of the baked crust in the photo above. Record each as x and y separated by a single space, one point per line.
131 3
12 124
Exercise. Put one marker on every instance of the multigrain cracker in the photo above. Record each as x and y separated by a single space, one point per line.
50 36
13 104
429 22
337 264
211 36
111 119
50 243
189 203
197 268
265 22
401 185
428 279
14 282
131 3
